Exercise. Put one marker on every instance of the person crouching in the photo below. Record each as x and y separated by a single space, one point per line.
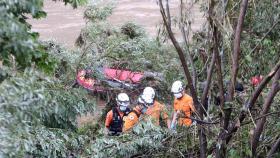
114 118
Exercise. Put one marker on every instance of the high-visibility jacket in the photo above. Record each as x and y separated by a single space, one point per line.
114 120
156 111
185 106
131 119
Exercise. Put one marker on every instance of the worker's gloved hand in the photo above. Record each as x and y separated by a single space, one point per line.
173 126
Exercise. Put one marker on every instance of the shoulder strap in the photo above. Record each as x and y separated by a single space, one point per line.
115 112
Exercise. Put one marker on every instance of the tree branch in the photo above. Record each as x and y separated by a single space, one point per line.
274 148
208 80
168 13
266 107
262 85
181 55
268 114
202 136
221 151
250 104
185 38
235 59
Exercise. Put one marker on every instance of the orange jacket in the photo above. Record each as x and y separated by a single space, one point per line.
131 119
185 106
156 111
109 117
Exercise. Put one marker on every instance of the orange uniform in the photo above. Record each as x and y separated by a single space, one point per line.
131 119
156 111
185 106
109 118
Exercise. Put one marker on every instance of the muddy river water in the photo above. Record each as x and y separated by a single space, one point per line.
63 23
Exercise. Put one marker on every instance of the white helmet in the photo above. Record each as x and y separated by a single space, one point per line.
177 87
149 91
146 100
122 99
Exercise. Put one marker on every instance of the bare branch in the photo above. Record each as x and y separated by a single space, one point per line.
274 148
208 80
252 100
185 38
202 136
221 152
266 107
236 49
268 114
262 85
181 55
168 13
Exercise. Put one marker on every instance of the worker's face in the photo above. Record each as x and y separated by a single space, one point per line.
143 108
123 105
178 95
123 108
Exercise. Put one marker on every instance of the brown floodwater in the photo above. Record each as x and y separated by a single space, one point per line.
63 23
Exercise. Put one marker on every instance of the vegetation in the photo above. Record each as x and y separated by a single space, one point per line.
240 39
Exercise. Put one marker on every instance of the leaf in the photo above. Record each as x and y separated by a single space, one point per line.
248 58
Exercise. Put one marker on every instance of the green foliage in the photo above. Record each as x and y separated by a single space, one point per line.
97 13
31 106
132 30
38 112
16 37
144 140
74 3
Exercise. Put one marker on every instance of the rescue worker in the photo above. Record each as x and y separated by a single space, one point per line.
114 118
156 110
183 106
133 117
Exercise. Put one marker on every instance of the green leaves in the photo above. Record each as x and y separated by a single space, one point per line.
95 13
75 3
17 39
31 107
145 137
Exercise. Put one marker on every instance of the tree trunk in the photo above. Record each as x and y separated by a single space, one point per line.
202 136
221 147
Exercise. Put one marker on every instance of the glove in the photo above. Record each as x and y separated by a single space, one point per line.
173 126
